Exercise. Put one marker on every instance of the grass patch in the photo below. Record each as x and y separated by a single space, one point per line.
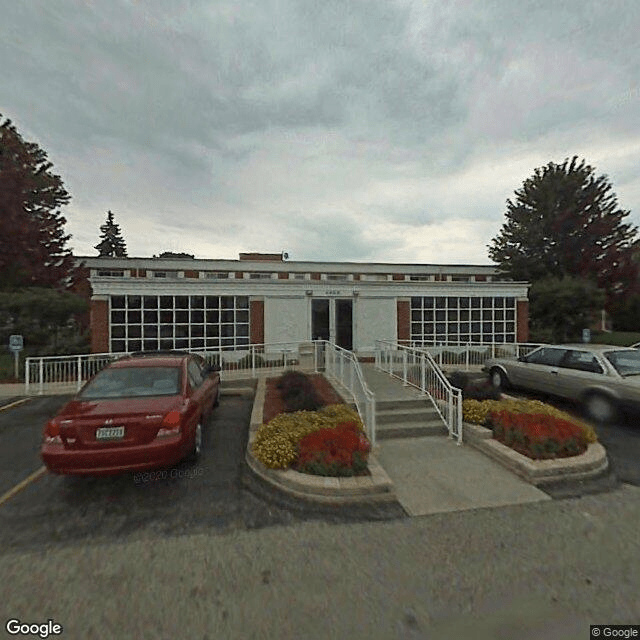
616 338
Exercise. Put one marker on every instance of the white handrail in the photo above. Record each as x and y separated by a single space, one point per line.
467 354
417 368
343 367
70 372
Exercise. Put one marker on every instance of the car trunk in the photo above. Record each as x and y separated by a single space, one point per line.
114 423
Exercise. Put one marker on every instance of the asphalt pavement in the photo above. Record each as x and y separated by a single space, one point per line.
198 555
542 570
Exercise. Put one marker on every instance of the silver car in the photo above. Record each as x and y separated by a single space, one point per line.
603 378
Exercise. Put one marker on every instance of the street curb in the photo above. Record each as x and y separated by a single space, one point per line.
376 487
592 463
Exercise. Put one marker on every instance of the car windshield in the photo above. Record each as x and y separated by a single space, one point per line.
626 362
127 382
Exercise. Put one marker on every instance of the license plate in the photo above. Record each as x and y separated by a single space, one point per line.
109 433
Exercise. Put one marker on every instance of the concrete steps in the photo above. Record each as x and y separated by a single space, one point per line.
407 419
238 386
411 430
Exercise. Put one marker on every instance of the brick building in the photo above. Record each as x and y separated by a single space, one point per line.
188 303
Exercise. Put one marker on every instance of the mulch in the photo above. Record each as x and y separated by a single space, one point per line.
273 403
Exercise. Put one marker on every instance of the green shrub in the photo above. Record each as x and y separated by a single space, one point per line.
298 392
473 390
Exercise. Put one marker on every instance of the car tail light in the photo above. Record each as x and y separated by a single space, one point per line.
51 433
170 425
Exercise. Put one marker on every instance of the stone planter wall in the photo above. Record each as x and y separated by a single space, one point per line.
591 463
376 487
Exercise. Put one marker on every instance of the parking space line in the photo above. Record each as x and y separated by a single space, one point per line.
14 404
21 485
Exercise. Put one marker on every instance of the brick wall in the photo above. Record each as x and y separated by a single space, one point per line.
99 315
263 257
256 319
404 315
522 323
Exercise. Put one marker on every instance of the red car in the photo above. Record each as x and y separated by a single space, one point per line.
141 412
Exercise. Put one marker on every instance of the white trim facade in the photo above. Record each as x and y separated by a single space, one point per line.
382 300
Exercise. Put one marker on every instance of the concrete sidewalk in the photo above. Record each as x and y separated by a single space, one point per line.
434 474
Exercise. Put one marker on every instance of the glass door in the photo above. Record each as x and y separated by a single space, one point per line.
332 320
320 329
344 323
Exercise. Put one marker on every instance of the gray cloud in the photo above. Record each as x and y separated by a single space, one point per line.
318 126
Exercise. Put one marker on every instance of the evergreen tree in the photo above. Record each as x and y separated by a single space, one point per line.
112 244
33 248
565 221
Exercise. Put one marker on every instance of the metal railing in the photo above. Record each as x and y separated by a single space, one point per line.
63 373
69 373
471 354
342 366
416 367
60 374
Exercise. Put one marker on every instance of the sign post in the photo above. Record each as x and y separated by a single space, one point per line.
16 345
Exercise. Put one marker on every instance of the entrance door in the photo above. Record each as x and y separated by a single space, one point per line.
320 329
344 324
332 320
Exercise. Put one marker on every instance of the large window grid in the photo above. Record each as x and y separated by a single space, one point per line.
463 319
178 322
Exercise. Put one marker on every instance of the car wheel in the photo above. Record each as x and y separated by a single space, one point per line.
197 444
498 379
600 408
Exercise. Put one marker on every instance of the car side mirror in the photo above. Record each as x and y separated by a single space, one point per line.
212 368
522 359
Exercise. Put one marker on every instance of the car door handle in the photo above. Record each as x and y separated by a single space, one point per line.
554 371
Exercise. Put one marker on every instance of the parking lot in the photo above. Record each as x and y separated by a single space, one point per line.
216 494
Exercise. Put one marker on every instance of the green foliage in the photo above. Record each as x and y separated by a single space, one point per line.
33 248
473 389
111 243
45 317
625 313
562 307
566 221
616 338
298 392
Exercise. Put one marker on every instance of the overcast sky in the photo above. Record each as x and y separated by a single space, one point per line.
380 130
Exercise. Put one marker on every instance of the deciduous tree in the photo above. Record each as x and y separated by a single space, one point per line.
33 249
565 220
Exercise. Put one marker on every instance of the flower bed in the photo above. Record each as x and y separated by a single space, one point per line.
538 436
478 412
339 450
274 403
